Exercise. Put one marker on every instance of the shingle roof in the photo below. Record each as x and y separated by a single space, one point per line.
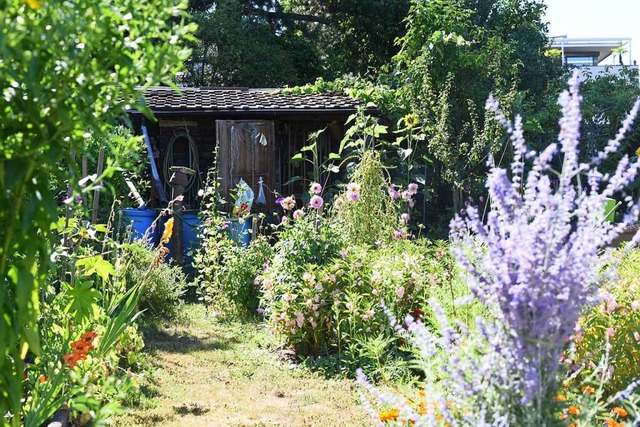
242 99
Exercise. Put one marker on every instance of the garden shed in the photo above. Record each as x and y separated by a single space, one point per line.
257 132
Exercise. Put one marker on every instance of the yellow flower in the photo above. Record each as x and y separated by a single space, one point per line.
33 4
390 415
638 151
410 120
560 398
168 231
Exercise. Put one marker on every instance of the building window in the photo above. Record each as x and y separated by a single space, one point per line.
581 61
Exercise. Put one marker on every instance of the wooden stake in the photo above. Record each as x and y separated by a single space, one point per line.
96 192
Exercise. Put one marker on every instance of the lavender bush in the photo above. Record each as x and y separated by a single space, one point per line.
535 261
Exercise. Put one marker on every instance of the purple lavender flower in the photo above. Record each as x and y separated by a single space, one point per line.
535 262
536 258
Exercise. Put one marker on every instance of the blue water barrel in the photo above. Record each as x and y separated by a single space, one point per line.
190 223
141 222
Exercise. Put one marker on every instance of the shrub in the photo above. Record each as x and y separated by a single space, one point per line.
163 285
322 296
612 329
234 290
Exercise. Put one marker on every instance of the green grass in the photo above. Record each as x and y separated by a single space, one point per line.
212 372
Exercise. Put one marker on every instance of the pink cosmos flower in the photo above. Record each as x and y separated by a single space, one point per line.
316 202
398 234
404 218
316 188
412 203
368 315
635 305
611 332
412 188
284 220
406 195
400 292
636 335
610 304
393 192
353 187
288 203
297 214
353 196
299 319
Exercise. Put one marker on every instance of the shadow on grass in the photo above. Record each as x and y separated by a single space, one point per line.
193 409
184 343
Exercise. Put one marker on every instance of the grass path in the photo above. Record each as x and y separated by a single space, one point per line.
213 373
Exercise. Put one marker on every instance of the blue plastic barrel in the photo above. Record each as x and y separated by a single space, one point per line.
190 223
141 222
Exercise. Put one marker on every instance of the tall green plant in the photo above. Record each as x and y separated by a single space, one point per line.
68 71
372 218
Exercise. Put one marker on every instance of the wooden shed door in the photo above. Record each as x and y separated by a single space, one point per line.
247 151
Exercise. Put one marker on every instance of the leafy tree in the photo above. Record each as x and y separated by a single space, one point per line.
68 71
357 37
453 55
240 46
291 42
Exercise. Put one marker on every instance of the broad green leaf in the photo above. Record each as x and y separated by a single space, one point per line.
96 264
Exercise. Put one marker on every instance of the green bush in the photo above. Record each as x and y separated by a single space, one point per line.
233 290
614 323
331 305
163 285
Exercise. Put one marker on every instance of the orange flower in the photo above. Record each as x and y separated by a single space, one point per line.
619 411
390 415
421 393
610 422
42 378
588 389
71 359
80 346
88 337
573 410
560 398
573 425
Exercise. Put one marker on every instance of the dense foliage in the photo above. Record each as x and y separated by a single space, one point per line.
534 260
68 71
304 40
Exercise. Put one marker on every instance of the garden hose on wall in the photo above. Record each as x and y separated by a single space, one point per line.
192 162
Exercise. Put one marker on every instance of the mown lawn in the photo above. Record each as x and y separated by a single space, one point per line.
217 373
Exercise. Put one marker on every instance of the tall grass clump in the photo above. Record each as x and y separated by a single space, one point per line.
536 261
